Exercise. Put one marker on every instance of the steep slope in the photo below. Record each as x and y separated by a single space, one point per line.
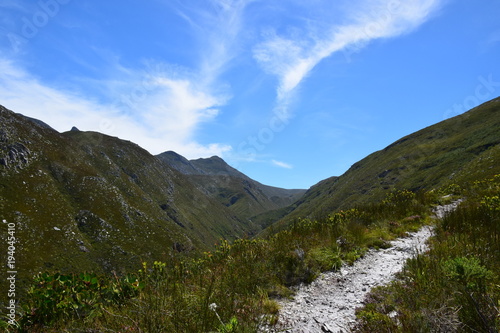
243 195
451 150
89 201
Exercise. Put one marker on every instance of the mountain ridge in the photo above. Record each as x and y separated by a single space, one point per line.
104 203
246 197
423 160
213 166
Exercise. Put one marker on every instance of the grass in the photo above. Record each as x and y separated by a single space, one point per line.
239 280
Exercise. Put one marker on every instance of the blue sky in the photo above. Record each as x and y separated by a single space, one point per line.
289 92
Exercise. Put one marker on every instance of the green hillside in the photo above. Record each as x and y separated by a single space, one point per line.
440 154
87 201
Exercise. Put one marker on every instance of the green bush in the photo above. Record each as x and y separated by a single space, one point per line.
58 297
468 272
374 322
325 258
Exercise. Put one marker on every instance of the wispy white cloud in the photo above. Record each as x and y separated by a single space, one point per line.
11 4
282 164
217 26
160 106
164 113
292 58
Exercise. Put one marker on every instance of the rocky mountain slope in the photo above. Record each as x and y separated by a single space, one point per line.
89 201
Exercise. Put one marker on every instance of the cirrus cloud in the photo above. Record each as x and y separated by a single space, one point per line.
281 164
292 57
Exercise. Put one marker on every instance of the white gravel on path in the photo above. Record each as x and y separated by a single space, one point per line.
329 303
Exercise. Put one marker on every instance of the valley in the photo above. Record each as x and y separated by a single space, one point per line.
105 230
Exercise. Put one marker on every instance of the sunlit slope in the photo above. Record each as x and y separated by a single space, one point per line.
85 200
457 149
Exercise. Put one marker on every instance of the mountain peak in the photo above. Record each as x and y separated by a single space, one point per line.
178 162
214 166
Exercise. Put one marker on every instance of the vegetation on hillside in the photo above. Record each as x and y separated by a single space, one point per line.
85 201
230 289
114 205
233 189
455 287
423 160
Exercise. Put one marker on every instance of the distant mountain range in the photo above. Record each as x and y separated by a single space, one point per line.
241 194
88 201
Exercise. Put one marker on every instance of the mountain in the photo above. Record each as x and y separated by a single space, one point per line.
244 196
459 149
88 201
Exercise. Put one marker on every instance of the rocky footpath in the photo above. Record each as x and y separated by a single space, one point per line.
329 303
